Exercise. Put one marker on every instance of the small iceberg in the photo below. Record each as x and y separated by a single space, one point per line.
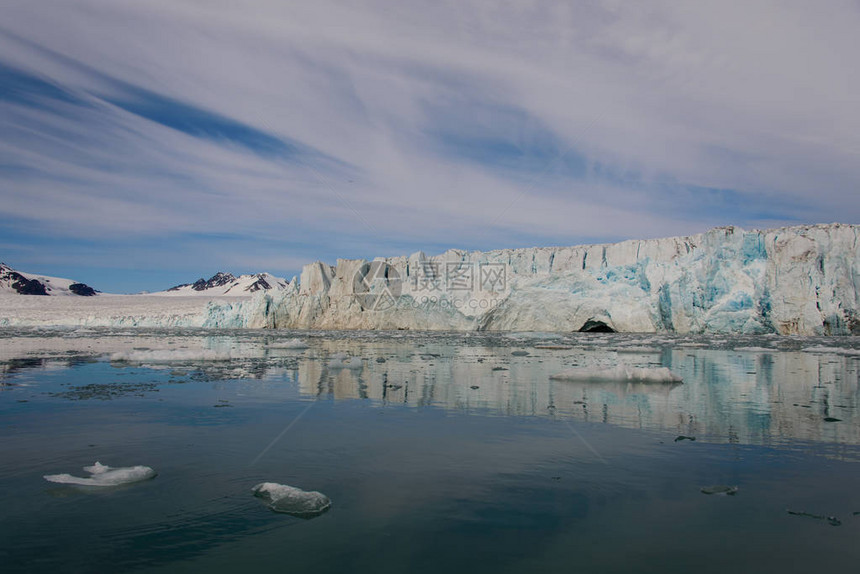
834 350
103 475
533 335
292 500
720 489
618 373
169 356
289 344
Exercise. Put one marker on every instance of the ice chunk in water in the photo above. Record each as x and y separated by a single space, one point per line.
292 500
618 373
723 489
289 344
832 520
834 350
103 475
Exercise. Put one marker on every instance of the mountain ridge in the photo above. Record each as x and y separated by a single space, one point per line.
223 283
23 283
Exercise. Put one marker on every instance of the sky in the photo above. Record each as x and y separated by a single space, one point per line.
149 143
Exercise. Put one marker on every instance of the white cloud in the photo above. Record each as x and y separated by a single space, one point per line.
755 97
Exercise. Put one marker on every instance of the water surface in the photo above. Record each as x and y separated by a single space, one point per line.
440 452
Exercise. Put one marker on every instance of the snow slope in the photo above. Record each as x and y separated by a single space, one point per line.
182 306
109 310
19 282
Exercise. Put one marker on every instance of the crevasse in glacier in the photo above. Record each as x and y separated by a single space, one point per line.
793 280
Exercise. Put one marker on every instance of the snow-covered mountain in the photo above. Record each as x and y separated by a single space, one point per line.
21 283
221 284
227 284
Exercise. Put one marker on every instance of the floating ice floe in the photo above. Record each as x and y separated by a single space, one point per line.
755 350
171 356
834 350
289 344
832 520
618 373
292 500
533 335
638 349
722 489
103 475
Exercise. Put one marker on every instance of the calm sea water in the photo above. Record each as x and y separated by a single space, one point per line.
440 452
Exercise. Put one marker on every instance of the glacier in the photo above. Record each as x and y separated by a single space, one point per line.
792 280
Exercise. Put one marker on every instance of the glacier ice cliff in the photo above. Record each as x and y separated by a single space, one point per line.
792 280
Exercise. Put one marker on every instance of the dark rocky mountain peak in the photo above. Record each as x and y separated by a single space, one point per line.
82 289
218 280
259 284
38 286
21 284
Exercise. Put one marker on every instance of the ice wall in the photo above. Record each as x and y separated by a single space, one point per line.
793 280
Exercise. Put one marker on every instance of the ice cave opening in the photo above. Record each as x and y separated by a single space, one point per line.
592 326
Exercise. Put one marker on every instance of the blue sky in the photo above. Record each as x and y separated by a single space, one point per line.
150 143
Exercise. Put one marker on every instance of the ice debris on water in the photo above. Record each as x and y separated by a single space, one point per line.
834 350
619 372
292 500
831 520
532 335
169 356
722 489
294 343
103 475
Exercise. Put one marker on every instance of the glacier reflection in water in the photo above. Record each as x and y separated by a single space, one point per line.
752 390
752 395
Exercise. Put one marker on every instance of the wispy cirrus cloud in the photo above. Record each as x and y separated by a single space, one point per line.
303 131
